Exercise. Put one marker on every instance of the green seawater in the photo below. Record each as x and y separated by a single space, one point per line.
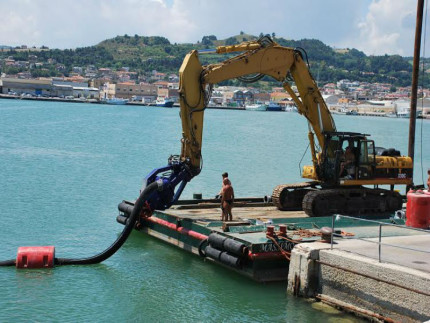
64 169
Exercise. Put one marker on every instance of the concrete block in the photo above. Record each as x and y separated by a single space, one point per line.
303 270
359 281
375 294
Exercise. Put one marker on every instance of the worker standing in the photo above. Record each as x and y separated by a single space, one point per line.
224 175
227 197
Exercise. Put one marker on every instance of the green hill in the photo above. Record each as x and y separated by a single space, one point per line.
144 54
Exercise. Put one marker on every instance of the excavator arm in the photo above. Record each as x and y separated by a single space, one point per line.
263 57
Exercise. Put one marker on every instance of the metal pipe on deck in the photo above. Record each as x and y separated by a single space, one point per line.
177 228
270 255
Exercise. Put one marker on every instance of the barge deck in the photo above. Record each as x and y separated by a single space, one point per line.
257 243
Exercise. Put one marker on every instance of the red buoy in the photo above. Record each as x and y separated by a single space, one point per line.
418 209
35 257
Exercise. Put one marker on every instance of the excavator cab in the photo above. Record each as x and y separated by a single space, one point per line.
346 157
366 160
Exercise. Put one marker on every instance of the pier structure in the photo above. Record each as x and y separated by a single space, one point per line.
385 278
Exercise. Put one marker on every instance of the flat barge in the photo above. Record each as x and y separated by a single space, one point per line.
257 243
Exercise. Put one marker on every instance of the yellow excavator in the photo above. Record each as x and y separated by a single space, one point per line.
347 168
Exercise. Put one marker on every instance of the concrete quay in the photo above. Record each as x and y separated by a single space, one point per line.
349 276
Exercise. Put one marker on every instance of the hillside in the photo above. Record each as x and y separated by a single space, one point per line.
144 54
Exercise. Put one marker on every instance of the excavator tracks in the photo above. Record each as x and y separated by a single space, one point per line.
351 201
288 197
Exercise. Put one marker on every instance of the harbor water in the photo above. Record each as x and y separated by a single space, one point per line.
64 169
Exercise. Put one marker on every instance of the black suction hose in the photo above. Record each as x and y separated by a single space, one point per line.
7 262
134 216
140 203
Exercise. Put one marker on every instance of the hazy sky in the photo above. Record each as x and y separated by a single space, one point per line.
373 26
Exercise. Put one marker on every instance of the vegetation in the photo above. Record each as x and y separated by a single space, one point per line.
144 54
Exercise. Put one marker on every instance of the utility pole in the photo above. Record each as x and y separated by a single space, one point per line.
415 73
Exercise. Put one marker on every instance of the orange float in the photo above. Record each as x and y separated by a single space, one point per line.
35 257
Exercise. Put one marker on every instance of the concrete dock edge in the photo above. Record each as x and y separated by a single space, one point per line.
392 291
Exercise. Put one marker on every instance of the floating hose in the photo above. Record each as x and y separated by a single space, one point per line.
7 262
129 225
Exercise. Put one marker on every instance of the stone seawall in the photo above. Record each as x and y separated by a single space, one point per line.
358 283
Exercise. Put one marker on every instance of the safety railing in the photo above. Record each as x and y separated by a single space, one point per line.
379 242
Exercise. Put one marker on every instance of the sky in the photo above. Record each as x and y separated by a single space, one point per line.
376 27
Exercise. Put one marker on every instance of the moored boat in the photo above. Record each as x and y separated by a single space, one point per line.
403 113
352 113
342 110
391 115
164 102
115 101
256 107
273 106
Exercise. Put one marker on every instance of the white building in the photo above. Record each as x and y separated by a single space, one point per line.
86 92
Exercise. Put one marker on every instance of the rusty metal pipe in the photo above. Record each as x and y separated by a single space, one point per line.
354 309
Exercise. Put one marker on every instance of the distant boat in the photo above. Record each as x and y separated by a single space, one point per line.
273 106
256 107
403 114
164 102
391 115
341 110
352 113
290 108
115 101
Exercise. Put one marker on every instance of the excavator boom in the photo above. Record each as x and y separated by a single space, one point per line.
266 58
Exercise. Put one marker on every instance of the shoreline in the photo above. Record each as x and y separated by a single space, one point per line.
176 105
95 101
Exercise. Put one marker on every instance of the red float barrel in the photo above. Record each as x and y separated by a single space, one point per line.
418 209
35 257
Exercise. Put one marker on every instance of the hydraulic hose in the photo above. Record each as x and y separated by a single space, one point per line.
131 221
10 262
140 203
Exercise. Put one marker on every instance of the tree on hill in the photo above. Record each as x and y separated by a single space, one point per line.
208 40
231 41
146 53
